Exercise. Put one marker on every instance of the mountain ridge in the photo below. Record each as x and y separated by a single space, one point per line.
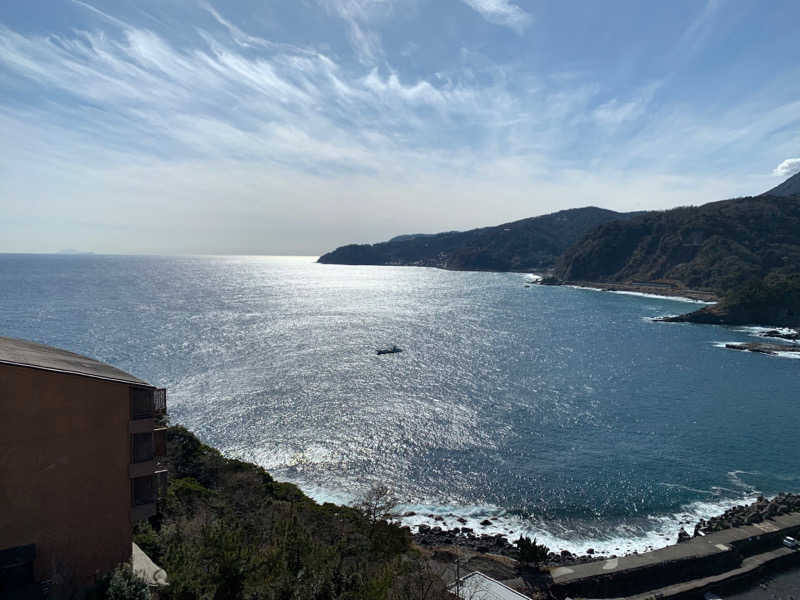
522 245
788 189
744 250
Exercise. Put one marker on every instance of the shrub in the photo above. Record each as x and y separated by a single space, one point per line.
531 552
124 584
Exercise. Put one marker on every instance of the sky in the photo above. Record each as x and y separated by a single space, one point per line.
296 126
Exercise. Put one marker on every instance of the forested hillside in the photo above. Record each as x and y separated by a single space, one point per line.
529 244
718 246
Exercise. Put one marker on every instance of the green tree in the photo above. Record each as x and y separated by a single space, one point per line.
531 552
124 584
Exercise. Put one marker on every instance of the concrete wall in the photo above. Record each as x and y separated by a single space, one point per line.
64 455
649 577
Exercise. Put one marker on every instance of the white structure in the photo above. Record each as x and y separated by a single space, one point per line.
477 586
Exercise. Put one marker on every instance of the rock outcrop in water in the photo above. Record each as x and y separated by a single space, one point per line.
763 348
784 335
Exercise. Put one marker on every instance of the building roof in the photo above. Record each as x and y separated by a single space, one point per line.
478 586
38 356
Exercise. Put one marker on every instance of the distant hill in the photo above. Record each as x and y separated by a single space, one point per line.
747 250
528 244
716 246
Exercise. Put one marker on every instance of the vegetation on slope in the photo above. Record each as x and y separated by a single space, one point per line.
716 246
227 530
774 300
746 250
524 245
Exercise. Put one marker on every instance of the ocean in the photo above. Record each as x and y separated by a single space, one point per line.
565 414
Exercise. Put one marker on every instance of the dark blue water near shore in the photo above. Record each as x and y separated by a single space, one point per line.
561 411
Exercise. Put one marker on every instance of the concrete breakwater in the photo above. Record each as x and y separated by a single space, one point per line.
758 512
717 560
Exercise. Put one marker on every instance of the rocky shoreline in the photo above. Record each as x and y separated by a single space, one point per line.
789 334
498 544
465 537
757 512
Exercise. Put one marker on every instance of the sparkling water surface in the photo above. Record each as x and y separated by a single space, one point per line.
565 413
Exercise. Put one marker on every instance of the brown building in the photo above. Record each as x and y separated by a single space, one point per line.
80 454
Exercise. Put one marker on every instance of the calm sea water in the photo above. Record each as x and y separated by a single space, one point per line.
565 413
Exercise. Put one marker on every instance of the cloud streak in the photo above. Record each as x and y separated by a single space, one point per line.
502 12
114 125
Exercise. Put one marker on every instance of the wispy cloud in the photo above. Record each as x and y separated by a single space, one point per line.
697 33
110 118
502 12
283 104
100 13
359 16
615 112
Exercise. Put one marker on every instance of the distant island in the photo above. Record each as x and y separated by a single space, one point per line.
744 252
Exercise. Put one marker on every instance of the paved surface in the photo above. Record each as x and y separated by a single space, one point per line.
696 548
783 586
715 543
696 587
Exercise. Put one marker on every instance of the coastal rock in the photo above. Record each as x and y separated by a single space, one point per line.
784 335
763 348
683 535
762 509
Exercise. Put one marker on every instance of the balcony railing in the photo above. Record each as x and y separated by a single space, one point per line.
142 447
160 401
160 442
144 490
147 403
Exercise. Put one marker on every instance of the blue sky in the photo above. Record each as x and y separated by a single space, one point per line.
294 126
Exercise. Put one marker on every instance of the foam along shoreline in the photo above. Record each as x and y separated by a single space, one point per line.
617 539
690 296
784 333
623 538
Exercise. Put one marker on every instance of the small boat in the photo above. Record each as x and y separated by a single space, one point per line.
392 350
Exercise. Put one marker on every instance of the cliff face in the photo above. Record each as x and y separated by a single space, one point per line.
529 244
716 246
